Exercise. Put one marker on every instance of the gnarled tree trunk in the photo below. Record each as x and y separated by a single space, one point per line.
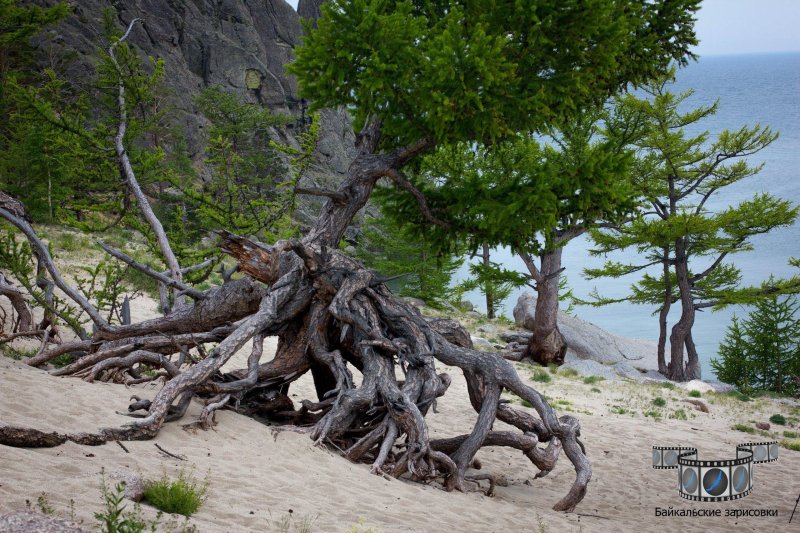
547 344
333 317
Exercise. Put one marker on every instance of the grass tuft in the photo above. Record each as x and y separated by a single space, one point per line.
744 427
541 376
182 496
659 401
695 394
778 419
791 445
591 380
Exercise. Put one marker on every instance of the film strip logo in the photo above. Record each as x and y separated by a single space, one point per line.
712 481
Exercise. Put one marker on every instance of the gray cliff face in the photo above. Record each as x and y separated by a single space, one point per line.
241 45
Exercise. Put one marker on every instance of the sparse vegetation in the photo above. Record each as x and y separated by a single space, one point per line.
778 419
679 414
791 445
591 380
695 394
568 372
658 401
744 427
791 434
541 376
595 389
653 414
182 496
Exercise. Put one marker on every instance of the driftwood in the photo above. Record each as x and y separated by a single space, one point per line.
333 317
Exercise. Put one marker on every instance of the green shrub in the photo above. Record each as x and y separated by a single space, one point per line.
568 372
654 414
182 496
553 368
679 414
591 380
695 394
541 376
595 389
14 353
616 409
778 419
739 396
791 434
744 427
668 385
659 401
791 445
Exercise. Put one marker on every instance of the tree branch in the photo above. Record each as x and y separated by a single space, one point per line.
166 280
336 196
405 184
44 256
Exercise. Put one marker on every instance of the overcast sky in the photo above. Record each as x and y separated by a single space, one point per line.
744 26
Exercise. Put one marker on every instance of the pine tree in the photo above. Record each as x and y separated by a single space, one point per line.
676 175
762 352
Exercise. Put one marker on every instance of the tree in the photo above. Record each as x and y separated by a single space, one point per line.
677 174
391 250
534 195
417 76
762 352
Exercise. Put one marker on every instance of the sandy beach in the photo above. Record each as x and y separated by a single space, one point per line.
261 479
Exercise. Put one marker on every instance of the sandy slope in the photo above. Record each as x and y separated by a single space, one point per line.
258 476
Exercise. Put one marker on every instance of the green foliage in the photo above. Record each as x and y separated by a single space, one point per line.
15 353
391 249
675 175
695 394
591 380
762 352
659 401
668 385
246 190
791 434
778 419
541 376
791 445
182 496
744 427
595 389
483 70
114 518
568 372
492 280
679 414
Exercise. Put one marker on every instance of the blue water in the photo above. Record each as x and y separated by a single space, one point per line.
752 89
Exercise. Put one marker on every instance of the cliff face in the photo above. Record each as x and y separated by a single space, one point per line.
241 45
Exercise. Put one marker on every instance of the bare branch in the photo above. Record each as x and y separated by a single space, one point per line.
44 256
336 196
175 284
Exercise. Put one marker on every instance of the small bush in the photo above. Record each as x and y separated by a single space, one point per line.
653 414
616 409
15 354
744 427
668 385
595 389
568 372
778 419
541 376
679 414
553 368
591 380
791 445
739 396
659 401
791 434
182 496
695 394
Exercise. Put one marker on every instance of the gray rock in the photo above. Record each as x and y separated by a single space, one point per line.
587 367
242 46
521 337
706 386
416 302
587 341
487 328
31 522
134 483
482 344
466 305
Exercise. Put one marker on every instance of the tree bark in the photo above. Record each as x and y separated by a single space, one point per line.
664 314
547 344
489 289
681 331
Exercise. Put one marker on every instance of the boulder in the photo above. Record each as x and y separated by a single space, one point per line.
587 367
487 328
521 337
587 341
762 425
706 386
31 522
481 344
134 483
416 302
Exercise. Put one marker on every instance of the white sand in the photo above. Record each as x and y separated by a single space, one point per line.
256 475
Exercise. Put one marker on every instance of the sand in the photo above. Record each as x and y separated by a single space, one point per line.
261 479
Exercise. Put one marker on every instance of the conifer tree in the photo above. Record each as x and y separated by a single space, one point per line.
677 174
762 352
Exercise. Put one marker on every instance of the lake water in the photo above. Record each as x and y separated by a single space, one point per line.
752 89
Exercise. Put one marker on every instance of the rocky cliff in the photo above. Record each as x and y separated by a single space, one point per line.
241 45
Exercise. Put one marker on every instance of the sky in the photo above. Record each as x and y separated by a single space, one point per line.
727 27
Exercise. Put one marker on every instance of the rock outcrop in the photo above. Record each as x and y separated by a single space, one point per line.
240 45
586 341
